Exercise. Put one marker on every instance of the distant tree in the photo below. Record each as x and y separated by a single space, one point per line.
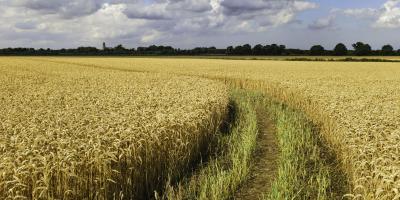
86 50
387 50
141 50
274 49
267 50
238 50
247 49
296 52
242 50
361 49
212 50
120 47
167 50
340 50
258 49
229 50
152 48
317 50
282 49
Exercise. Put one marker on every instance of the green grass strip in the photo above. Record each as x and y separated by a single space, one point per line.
221 176
307 170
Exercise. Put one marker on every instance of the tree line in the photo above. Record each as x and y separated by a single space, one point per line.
358 49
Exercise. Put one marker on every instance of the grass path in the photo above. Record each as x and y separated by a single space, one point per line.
290 160
265 165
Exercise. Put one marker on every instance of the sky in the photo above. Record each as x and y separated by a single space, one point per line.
192 23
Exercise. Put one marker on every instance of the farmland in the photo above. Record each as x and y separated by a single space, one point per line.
118 117
71 132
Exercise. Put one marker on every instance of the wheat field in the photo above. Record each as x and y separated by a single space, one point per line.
76 132
357 106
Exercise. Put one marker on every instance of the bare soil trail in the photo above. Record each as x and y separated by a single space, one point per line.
264 168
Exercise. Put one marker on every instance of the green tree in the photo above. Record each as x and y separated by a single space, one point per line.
387 50
361 49
317 50
340 50
274 48
229 50
247 49
258 49
238 50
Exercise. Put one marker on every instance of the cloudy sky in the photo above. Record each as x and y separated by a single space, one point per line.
191 23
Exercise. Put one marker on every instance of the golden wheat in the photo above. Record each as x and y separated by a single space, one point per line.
356 104
82 132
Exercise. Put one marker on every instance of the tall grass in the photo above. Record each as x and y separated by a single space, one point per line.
221 176
307 170
304 169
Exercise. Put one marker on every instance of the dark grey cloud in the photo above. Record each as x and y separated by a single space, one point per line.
198 6
28 25
260 14
63 8
166 9
238 7
135 12
42 5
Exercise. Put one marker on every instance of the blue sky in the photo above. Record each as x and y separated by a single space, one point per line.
191 23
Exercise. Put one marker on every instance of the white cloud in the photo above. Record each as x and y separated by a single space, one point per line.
201 16
388 16
151 37
106 24
69 23
363 13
